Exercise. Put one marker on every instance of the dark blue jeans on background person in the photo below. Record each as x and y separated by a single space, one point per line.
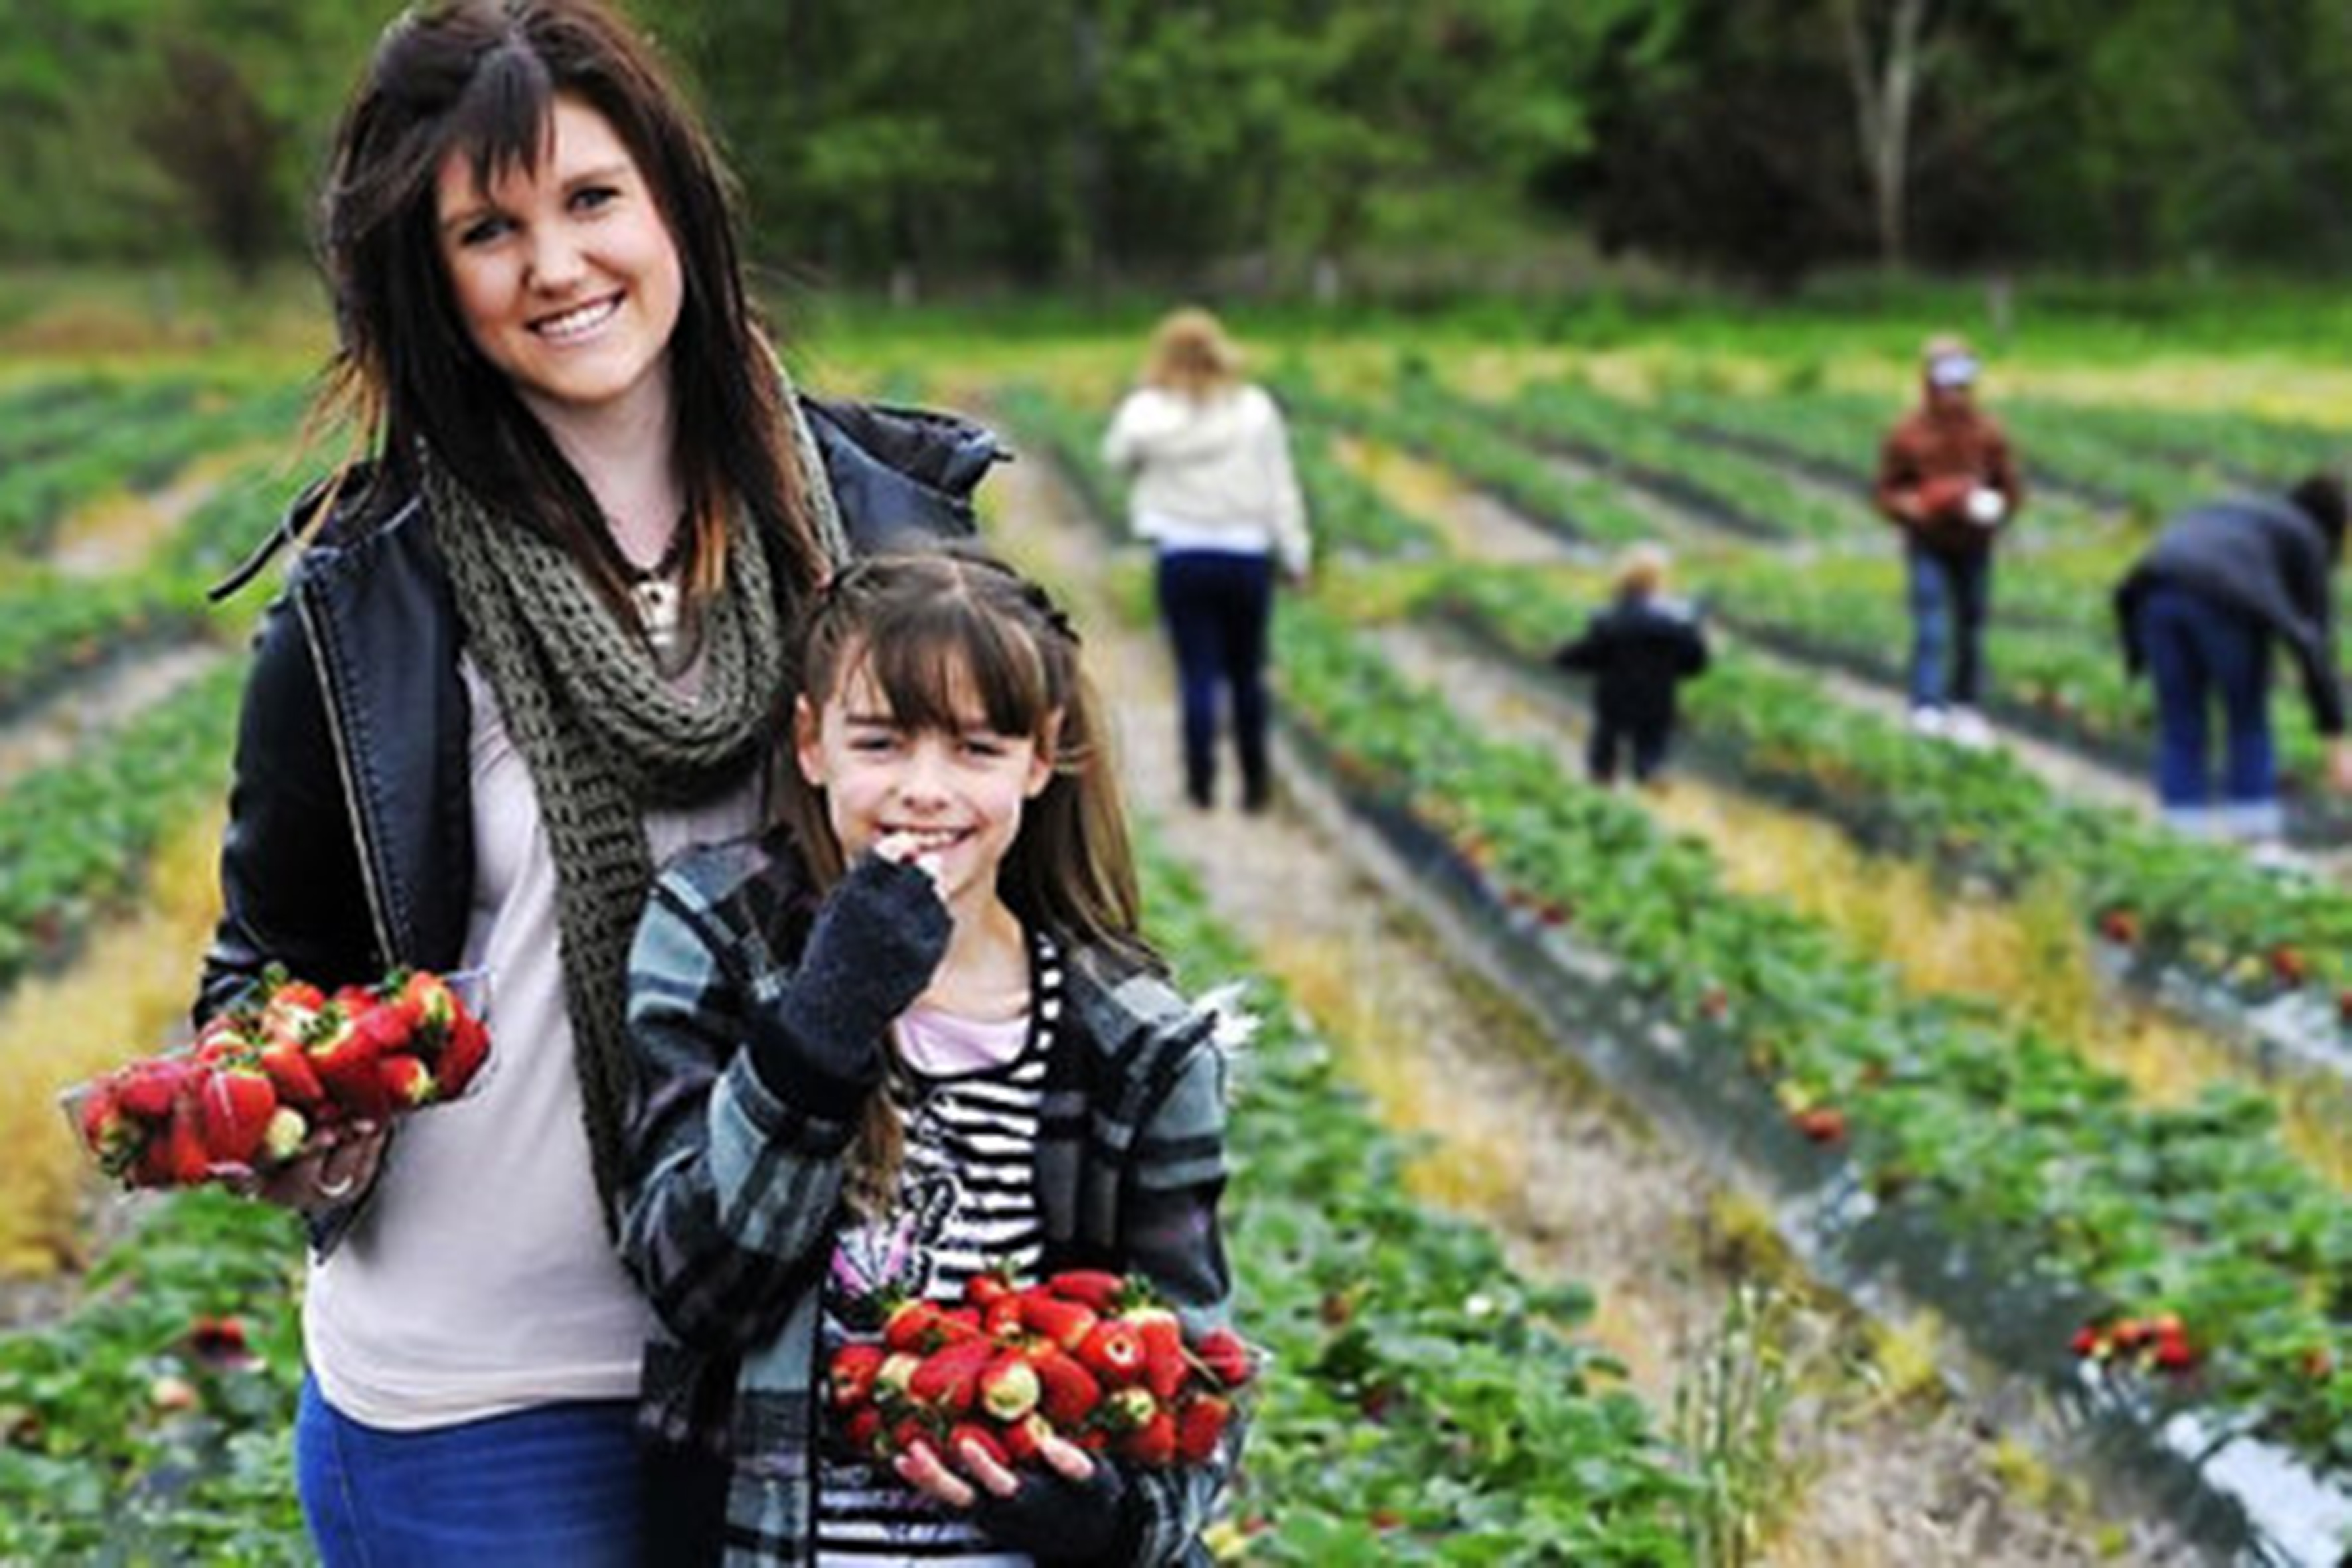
556 1486
1645 743
2198 651
1948 596
1217 605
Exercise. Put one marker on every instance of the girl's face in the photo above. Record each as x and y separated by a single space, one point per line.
954 800
566 276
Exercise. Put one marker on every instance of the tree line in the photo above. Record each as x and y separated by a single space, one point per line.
1078 142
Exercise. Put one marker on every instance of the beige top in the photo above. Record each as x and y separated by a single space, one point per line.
1213 473
481 1279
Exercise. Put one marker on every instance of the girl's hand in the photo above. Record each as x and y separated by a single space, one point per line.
1075 1509
921 1468
342 1164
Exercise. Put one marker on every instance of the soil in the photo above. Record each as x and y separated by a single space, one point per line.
1576 1187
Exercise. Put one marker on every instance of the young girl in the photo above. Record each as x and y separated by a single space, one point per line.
908 1034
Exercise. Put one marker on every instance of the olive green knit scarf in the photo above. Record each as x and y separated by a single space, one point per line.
605 738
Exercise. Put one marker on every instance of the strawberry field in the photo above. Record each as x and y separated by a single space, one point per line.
1992 1140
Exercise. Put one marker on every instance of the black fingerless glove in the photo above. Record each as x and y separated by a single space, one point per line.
816 1029
1058 1520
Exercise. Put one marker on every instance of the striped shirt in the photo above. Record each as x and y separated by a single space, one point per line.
966 1203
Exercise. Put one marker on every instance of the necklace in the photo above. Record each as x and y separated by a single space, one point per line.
659 600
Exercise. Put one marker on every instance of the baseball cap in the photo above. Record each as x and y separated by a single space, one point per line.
1950 362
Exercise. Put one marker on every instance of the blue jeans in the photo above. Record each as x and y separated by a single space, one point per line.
1217 605
2197 651
1950 596
555 1487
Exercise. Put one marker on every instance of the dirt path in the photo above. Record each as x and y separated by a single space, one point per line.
1576 1187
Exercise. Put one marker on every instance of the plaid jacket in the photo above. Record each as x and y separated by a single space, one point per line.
734 1194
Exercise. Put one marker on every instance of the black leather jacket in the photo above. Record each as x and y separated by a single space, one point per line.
349 842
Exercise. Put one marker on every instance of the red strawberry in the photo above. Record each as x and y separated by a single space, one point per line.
1164 1367
289 1067
948 1378
236 1105
1114 1352
1821 1123
1225 1356
112 1134
1002 1318
1067 1323
407 1081
1069 1390
462 1053
912 1326
1022 1437
908 1430
2088 1341
1095 1286
1009 1388
431 1003
148 1087
221 1041
986 1288
344 1053
851 1381
864 1430
2173 1351
175 1156
2344 1006
2120 925
973 1433
1199 1424
2286 962
294 996
1153 1444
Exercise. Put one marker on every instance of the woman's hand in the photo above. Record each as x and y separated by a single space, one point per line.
340 1165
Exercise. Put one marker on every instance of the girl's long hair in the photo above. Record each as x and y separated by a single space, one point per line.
480 77
950 624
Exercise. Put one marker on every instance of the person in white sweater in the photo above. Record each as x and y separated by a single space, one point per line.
1212 487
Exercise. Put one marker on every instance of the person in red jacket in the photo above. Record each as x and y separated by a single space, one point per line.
1947 481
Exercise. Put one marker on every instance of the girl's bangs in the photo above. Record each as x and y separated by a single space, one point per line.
506 120
935 661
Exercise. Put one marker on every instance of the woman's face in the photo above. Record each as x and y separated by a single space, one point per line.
566 276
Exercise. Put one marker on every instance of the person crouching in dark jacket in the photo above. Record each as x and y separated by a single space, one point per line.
2200 612
1638 650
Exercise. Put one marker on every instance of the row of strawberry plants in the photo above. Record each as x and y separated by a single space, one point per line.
1760 496
134 453
74 836
51 415
2064 684
2178 901
55 627
2196 1210
2056 442
1422 1390
1418 1388
1588 509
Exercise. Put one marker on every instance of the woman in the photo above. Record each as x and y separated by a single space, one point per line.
533 646
1213 489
